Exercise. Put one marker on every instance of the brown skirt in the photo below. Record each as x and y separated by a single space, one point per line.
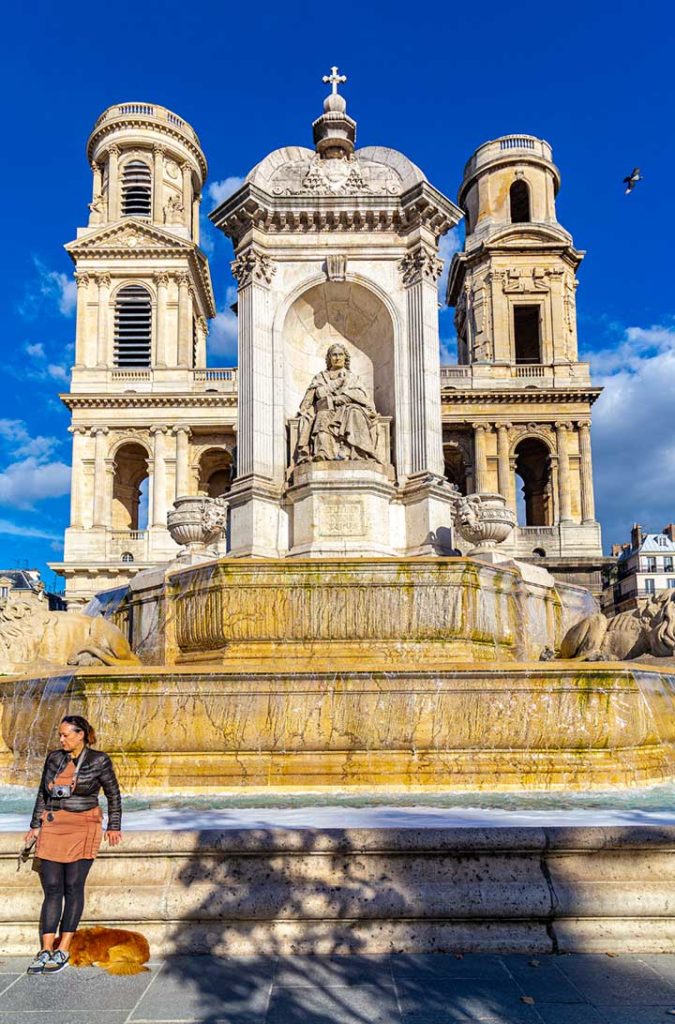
71 836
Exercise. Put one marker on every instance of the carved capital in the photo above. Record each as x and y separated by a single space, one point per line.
201 324
504 426
159 429
183 279
103 279
114 149
82 278
419 265
158 149
82 431
161 278
563 425
181 428
482 426
99 431
253 265
584 425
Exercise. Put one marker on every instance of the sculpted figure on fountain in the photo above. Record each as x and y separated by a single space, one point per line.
337 416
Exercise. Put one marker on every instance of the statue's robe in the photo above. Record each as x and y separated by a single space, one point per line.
330 430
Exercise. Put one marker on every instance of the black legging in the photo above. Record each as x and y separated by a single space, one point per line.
62 882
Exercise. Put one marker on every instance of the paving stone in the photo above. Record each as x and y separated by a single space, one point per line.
439 965
545 983
462 999
354 1004
657 1014
619 980
14 964
85 990
569 1013
295 971
663 963
206 988
73 1017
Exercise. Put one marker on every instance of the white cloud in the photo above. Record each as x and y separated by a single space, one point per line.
219 191
633 442
222 339
58 372
52 288
447 247
30 480
21 443
17 530
36 351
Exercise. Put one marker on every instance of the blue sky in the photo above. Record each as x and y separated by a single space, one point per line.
432 80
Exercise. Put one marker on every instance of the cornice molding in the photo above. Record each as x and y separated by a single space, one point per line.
137 400
540 396
253 207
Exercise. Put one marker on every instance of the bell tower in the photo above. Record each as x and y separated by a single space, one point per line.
148 419
516 408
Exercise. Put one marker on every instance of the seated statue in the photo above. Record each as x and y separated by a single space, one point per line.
337 416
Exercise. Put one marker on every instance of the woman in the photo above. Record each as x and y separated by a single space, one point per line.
67 825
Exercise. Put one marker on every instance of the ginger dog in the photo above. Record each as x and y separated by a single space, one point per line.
115 950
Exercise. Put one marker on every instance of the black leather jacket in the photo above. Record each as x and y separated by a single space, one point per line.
95 773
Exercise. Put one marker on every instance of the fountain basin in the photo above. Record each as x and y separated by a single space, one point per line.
400 613
215 728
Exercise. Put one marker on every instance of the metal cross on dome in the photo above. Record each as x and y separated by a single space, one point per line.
334 80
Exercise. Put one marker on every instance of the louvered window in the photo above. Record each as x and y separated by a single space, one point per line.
136 189
133 327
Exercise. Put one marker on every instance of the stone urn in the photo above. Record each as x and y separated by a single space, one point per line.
199 525
485 520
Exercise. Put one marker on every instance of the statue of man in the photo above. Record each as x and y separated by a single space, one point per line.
337 416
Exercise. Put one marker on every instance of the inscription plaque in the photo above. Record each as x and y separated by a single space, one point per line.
341 519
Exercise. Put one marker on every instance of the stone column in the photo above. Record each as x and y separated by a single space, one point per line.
504 476
195 218
102 353
113 183
586 466
76 476
202 330
480 457
158 185
97 180
82 356
162 284
564 483
420 270
254 271
184 320
158 516
187 192
182 461
100 490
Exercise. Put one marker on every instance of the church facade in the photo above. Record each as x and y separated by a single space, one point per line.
338 247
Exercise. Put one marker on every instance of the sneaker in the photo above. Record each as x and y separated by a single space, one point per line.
38 964
56 962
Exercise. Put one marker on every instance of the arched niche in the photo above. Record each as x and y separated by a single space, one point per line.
216 470
129 511
339 311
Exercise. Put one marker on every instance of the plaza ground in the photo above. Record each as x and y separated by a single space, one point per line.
394 989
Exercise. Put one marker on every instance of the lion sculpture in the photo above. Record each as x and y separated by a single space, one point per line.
648 629
32 636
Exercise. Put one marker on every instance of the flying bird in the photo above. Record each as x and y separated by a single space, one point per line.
631 181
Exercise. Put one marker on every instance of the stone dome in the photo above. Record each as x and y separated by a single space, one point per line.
373 170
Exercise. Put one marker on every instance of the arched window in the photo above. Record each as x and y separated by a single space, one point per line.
533 466
216 471
133 326
129 510
136 189
127 556
519 200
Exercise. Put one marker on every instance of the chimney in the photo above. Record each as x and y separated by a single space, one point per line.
669 531
636 536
